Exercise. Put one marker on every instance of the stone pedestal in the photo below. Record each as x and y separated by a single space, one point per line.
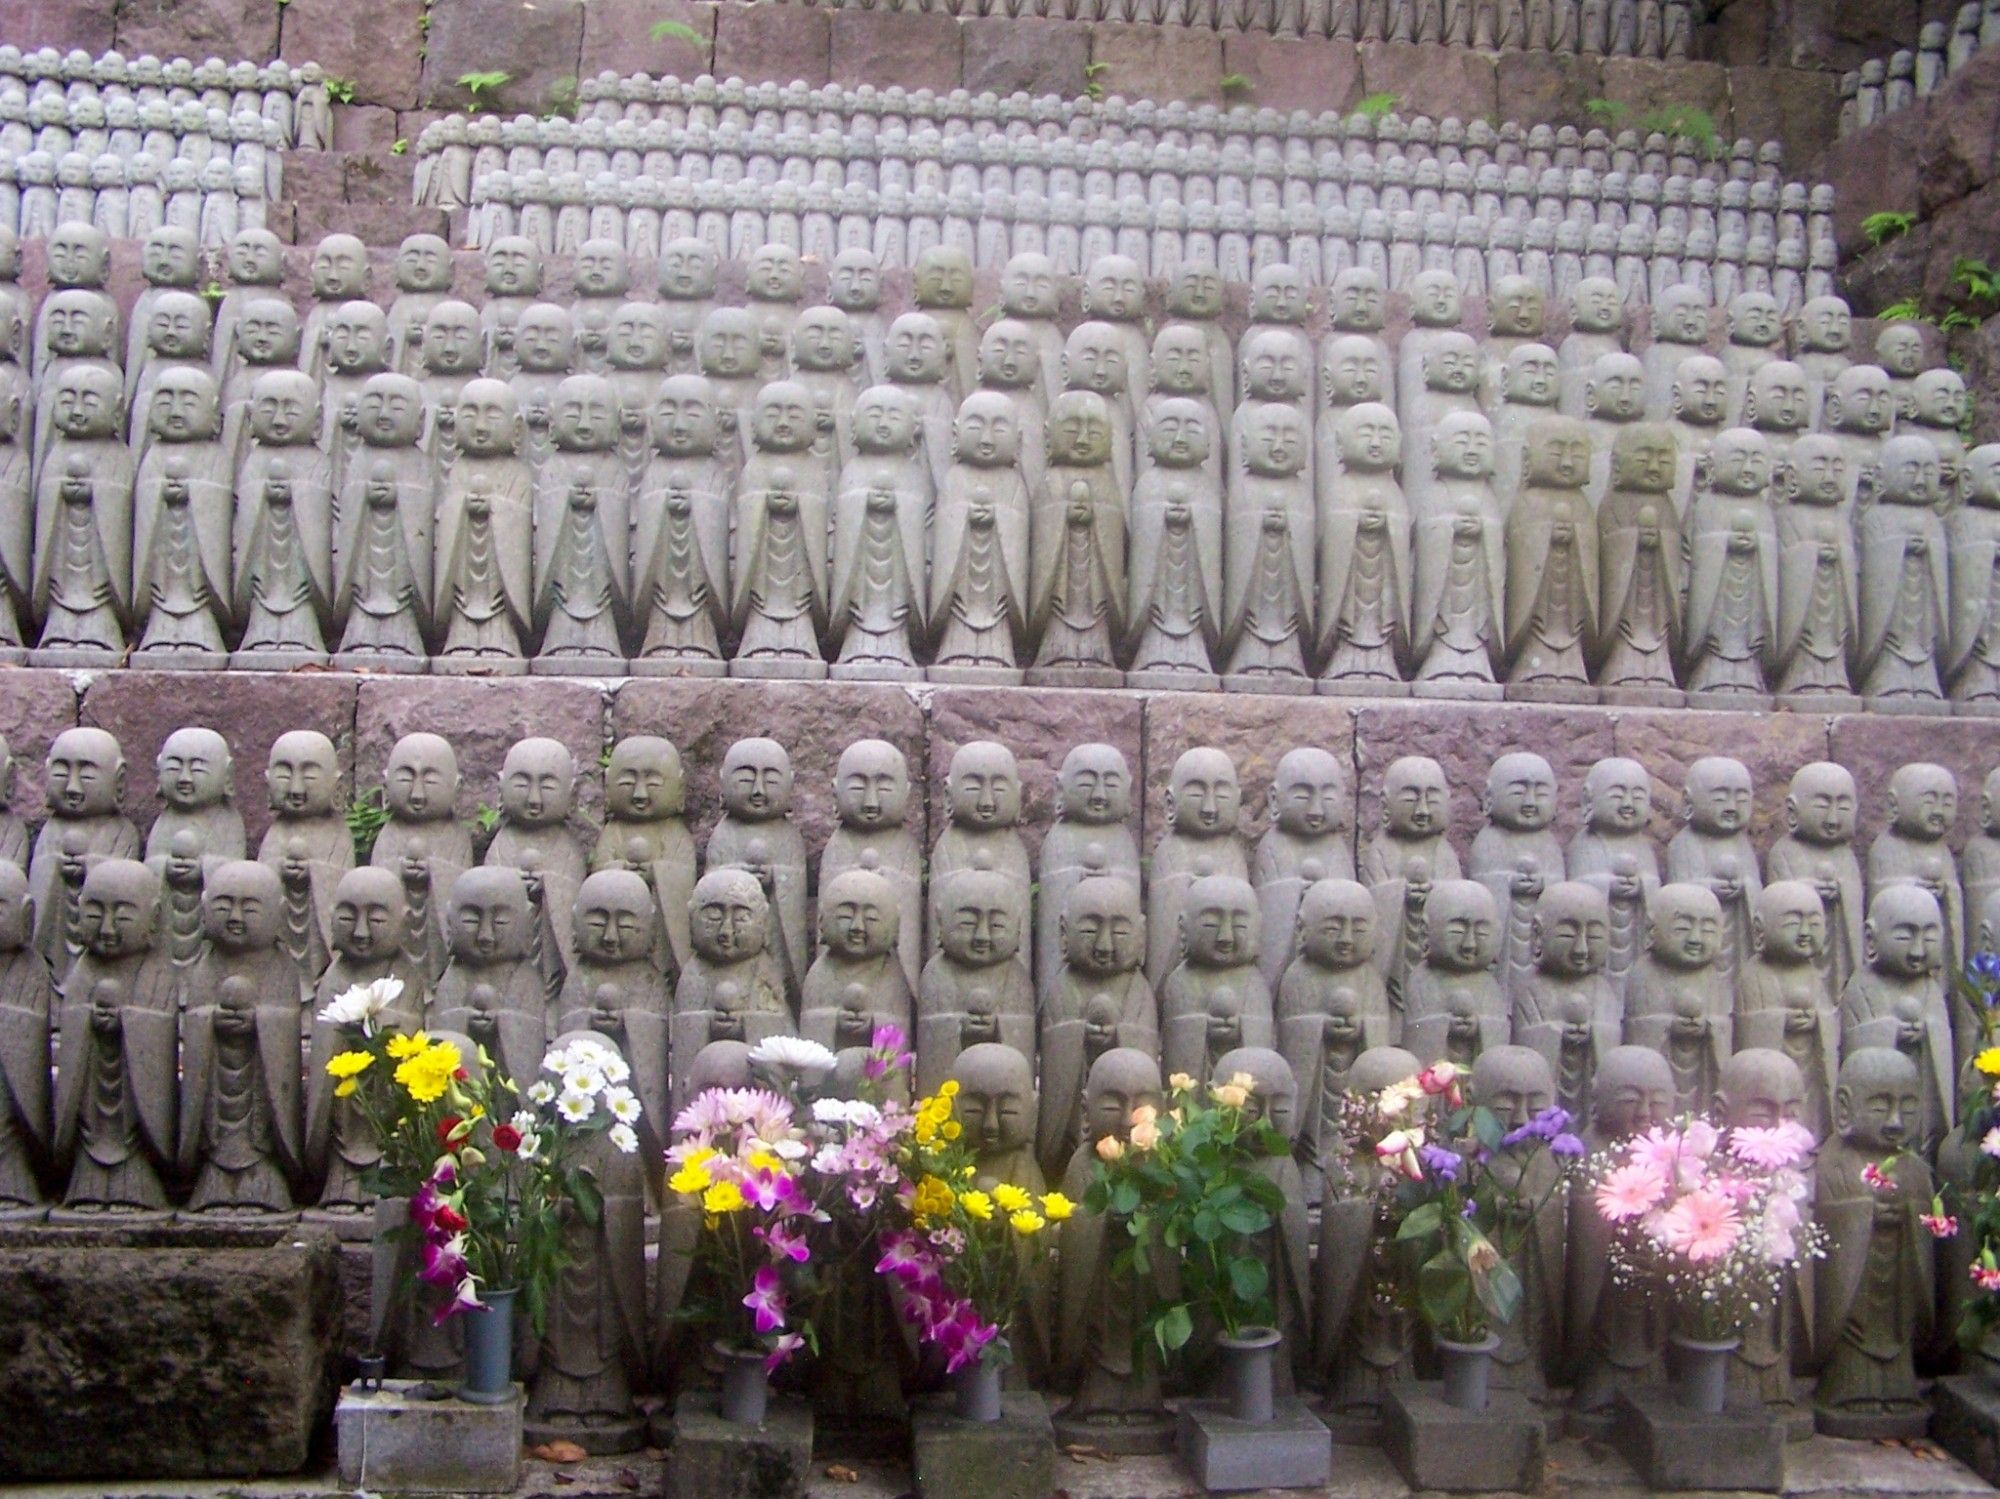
1966 1422
1675 1448
1012 1458
718 1459
1293 1450
1439 1446
392 1440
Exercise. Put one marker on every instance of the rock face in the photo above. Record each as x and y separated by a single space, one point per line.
167 1353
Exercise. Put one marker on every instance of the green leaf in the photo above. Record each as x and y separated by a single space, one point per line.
1175 1327
1486 1127
1244 1218
678 31
1499 1291
1376 105
1443 1290
1887 225
1207 1226
1427 1219
1248 1278
1125 1198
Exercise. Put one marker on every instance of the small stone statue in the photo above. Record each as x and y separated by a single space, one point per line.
1530 386
680 540
82 578
1215 999
645 832
1461 565
85 774
983 789
1516 856
1091 836
197 786
879 509
996 1105
1552 562
756 833
537 795
1332 1004
383 563
1783 1000
1077 551
308 847
1677 999
732 986
941 286
979 578
25 1005
1733 573
1818 848
1454 1008
1817 620
871 795
1567 1009
485 550
582 581
423 841
1904 587
14 839
1310 819
1204 801
1194 296
1365 573
283 537
778 562
1615 852
1643 571
492 988
856 984
1268 569
1715 850
614 984
1756 338
367 940
239 1108
1597 322
1874 1299
1981 867
1517 1084
1914 847
117 1116
1285 1247
1175 566
1972 533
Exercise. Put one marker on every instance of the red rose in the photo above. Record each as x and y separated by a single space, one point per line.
506 1137
445 1128
450 1219
461 1074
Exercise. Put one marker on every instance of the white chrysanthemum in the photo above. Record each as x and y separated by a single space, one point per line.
576 1107
623 1104
541 1092
362 1003
614 1067
525 1121
793 1054
583 1078
622 1137
531 1146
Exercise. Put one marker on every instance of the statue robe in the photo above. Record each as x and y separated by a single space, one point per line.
1097 1321
1078 586
25 1135
778 562
1281 868
1874 1296
1818 616
1365 577
116 1103
980 573
551 858
781 867
1178 861
1573 1049
90 839
593 1351
838 986
1732 593
1429 1022
1650 1021
1593 858
1972 663
880 581
894 854
384 565
240 1119
517 1010
1868 1017
951 994
1498 855
1071 1038
283 555
1319 1055
436 851
338 1144
1192 998
82 586
1791 1009
484 563
680 558
1615 1340
1894 858
306 918
740 1001
1819 864
1643 586
1268 577
1693 856
1529 1355
1905 597
582 568
1552 587
181 586
1174 608
642 999
662 851
1461 583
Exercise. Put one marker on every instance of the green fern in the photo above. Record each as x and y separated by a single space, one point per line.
1686 121
1610 111
675 31
1887 225
1908 310
1377 105
1980 280
340 90
367 815
480 85
1092 72
1235 83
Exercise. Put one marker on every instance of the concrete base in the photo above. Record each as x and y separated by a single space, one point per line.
385 665
1439 1446
600 1436
1675 1448
784 669
1898 1424
391 1440
1966 1422
1641 697
1269 686
1290 1451
1360 1426
1174 681
1730 702
1012 1458
1551 692
1135 1435
674 666
1817 702
1360 687
717 1459
974 676
478 666
1075 676
166 660
1913 707
578 666
276 660
70 658
1983 708
874 671
1446 690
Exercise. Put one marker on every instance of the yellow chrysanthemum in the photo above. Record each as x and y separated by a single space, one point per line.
976 1204
933 1199
691 1180
924 1130
723 1197
346 1089
430 1072
350 1063
951 1129
950 1088
1011 1198
1988 1061
1028 1223
1057 1207
763 1160
411 1045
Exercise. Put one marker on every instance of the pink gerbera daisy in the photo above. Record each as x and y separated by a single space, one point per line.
1701 1226
1631 1191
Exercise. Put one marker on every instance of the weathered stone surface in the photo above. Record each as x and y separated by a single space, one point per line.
1961 146
1467 742
1435 81
482 719
395 1439
779 43
1438 1446
1982 377
1256 732
1872 746
387 224
1841 34
1035 57
536 41
1292 1450
1874 171
380 179
1158 62
229 29
59 23
377 47
315 180
1012 1458
1797 109
1967 228
1040 727
1739 33
364 128
1676 1449
1891 272
619 37
249 710
1642 85
166 1353
35 706
719 1460
886 49
1293 72
1771 745
1542 86
1967 1423
815 721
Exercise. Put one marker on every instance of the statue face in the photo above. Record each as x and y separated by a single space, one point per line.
267 333
87 404
986 433
78 256
1356 371
1596 307
756 781
1574 934
1206 799
785 419
1521 793
584 416
1793 924
177 329
856 921
512 269
1309 796
1415 800
1103 931
1278 296
537 783
1629 1104
984 787
730 920
1825 323
1276 442
775 275
1644 461
1434 299
916 349
1274 369
727 347
1819 472
1337 930
193 770
1093 361
872 790
684 420
1701 391
1463 447
1862 400
283 412
1616 390
451 340
601 270
86 775
1514 1090
490 920
1463 930
1094 786
1618 797
1719 799
637 339
256 260
1221 927
981 926
367 919
1533 376
182 410
78 327
1822 804
1910 471
239 910
613 924
882 423
118 910
1940 398
1007 357
1112 1094
1754 319
1763 1096
1178 436
420 782
855 282
1028 287
1559 457
642 782
687 269
1879 1105
1079 432
1117 290
822 340
355 339
1197 293
1516 309
1923 801
1180 362
998 1113
1899 349
1686 933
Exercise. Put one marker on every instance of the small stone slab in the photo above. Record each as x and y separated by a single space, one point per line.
1439 1446
392 1440
719 1459
1675 1448
1966 1422
1012 1458
1293 1450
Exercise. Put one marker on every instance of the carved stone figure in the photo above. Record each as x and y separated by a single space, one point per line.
975 988
1784 1002
1454 1008
485 548
1642 568
1552 562
871 789
880 506
614 984
1597 321
1904 587
384 564
1923 811
996 1105
980 579
1756 338
1517 857
82 579
1194 296
282 542
732 987
941 285
1677 999
756 833
25 1006
856 984
1981 861
1204 801
1078 588
1332 1004
1460 564
1284 1247
537 794
197 787
1269 565
1174 610
1972 533
680 536
85 774
1091 836
1517 1084
582 580
492 987
423 841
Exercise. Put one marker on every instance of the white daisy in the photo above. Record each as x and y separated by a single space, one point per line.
614 1067
623 1138
531 1146
576 1107
585 1078
525 1121
793 1054
362 1003
542 1092
624 1105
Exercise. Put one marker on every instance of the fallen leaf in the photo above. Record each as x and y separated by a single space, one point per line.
627 1479
558 1452
841 1474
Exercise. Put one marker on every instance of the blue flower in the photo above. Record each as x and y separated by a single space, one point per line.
1567 1146
1984 968
1441 1163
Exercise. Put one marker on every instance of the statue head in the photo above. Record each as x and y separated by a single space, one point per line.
1938 398
1815 472
1180 361
1558 453
1514 1082
1910 471
1274 366
643 781
996 1097
823 339
1195 292
1309 794
256 258
942 277
1860 399
357 338
1462 447
614 918
1079 427
986 432
1177 436
89 403
1596 306
1434 299
1760 1088
489 916
1007 358
1275 443
1680 316
1632 1093
687 269
79 255
1643 457
731 916
1336 924
854 280
871 785
1029 288
638 340
452 342
916 349
80 325
1370 438
1617 796
584 415
1685 926
602 269
1572 929
1701 390
1533 376
858 915
1354 368
1825 325
1220 922
1094 786
727 344
1203 796
1789 923
1120 1080
1615 388
513 267
545 339
1274 1090
1923 800
420 782
284 409
242 902
302 774
1878 1102
423 264
684 419
981 914
537 783
1278 295
488 423
194 770
1461 926
118 909
185 406
1451 364
178 326
1899 349
368 915
756 780
1114 287
1755 320
85 773
1718 796
983 786
785 419
1515 308
1416 802
1102 927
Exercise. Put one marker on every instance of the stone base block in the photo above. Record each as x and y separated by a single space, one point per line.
974 676
1966 1422
67 658
1444 690
1359 1426
600 1436
1012 1458
276 660
403 666
1901 1423
1675 1448
1360 687
874 671
164 660
1914 707
1075 676
1984 708
1817 702
577 666
478 666
1438 1446
13 655
1293 1450
1641 697
1730 702
673 667
1137 1434
718 1459
1268 685
1173 681
783 670
1551 692
393 1440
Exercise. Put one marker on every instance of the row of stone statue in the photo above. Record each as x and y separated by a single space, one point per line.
214 200
47 88
185 1069
1878 89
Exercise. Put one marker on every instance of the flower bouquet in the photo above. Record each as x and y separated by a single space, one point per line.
1979 1122
964 1257
1710 1223
1460 1195
394 1081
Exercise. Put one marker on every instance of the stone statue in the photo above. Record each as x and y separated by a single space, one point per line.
1818 848
339 275
1697 413
1460 564
1972 533
1732 574
1516 856
1529 388
582 578
1981 867
686 276
25 1005
1643 570
308 847
856 984
1332 1004
983 790
1416 820
1904 587
1077 552
1914 847
1615 852
423 281
1204 801
1091 835
82 578
1516 317
1778 404
14 840
645 832
680 538
85 772
880 507
1677 999
1715 850
1817 617
383 560
1435 310
614 984
240 1117
1784 1002
1009 366
537 795
513 284
1310 807
485 549
1597 323
1552 561
1874 1298
871 793
756 833
1194 296
423 841
1567 1009
1756 338
1269 567
996 1106
778 562
282 542
941 286
732 987
979 578
1284 1248
367 939
1517 1084
1175 572
198 788
1365 585
1031 295
1454 1008
492 988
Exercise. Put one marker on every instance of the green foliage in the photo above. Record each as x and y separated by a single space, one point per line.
562 100
1376 105
1607 111
213 293
675 31
1686 122
1908 310
340 90
485 818
482 85
1980 280
1235 83
367 815
401 145
1092 72
1883 227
